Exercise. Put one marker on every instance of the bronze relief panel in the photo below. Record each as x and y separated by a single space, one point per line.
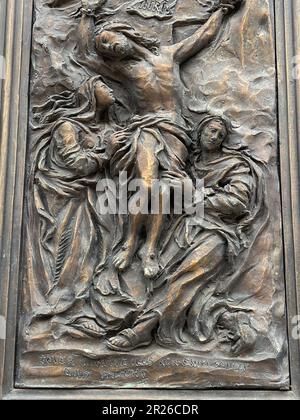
153 243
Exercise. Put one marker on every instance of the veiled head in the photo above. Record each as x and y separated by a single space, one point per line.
211 133
82 105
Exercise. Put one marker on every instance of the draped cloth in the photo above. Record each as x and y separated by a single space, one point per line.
234 216
172 142
64 229
186 308
117 298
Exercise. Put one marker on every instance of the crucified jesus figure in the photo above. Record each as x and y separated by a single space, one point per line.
157 144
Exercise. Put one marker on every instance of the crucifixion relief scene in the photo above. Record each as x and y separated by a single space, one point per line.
153 236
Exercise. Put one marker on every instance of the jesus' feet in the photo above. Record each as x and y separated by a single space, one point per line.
151 265
128 340
124 257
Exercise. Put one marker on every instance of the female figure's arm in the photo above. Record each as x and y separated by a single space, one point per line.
234 197
82 162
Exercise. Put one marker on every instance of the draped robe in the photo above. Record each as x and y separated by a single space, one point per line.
186 308
64 228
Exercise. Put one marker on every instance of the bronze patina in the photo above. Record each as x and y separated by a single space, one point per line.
135 93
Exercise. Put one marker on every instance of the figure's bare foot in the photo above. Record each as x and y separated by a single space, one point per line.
120 342
151 265
129 340
89 326
124 257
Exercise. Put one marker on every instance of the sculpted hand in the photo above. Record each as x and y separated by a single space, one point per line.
89 7
208 192
229 6
113 145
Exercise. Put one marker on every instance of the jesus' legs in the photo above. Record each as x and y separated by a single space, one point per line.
147 171
154 227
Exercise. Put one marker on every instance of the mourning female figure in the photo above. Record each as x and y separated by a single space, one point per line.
64 229
203 258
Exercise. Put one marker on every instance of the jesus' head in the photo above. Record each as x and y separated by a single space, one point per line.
118 40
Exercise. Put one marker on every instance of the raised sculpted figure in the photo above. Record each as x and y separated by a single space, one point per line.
206 254
72 129
155 147
134 105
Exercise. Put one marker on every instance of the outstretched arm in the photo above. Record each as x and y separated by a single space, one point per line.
85 34
88 10
199 40
86 52
206 34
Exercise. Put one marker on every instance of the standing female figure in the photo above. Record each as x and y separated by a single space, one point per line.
63 226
